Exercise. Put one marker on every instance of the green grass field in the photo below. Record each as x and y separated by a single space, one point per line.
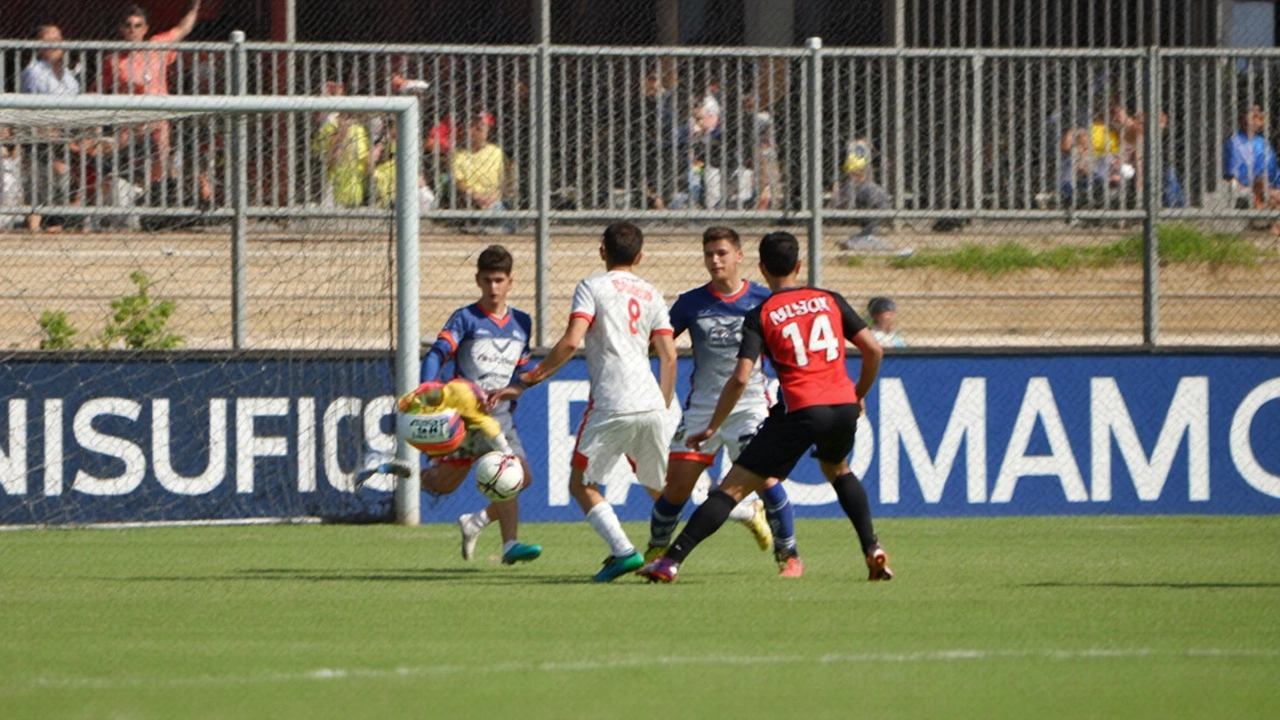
1017 618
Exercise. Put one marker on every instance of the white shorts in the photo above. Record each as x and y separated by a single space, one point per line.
476 444
604 440
737 431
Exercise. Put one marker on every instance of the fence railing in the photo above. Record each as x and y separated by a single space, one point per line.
945 131
819 136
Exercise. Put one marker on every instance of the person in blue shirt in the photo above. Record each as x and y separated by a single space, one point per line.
488 342
1249 161
713 315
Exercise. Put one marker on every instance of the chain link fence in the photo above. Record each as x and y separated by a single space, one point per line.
992 175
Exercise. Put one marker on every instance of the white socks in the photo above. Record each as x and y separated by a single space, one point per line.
605 522
480 519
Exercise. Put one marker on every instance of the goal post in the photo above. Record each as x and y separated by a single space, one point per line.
407 162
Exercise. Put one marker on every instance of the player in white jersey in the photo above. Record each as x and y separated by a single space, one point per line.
618 315
713 315
488 342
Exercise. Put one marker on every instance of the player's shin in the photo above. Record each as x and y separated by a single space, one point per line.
605 522
663 520
853 500
705 521
782 518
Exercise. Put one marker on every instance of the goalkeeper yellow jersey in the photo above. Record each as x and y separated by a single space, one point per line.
462 396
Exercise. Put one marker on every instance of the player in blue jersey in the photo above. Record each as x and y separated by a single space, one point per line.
713 315
488 342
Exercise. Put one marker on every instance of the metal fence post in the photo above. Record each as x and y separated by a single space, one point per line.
900 111
975 136
542 175
1151 197
813 153
239 192
408 509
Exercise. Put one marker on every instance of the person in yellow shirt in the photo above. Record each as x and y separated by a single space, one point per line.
479 172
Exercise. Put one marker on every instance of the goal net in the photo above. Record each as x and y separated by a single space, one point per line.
200 308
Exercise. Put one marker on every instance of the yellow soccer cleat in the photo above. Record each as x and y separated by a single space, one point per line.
759 526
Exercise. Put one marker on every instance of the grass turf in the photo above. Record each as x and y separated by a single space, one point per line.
1019 617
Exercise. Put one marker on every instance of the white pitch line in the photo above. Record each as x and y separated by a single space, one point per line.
564 667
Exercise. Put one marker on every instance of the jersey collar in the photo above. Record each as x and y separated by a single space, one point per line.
729 298
499 321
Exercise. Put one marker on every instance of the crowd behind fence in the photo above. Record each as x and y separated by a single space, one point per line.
943 132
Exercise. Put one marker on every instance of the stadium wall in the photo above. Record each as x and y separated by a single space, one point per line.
1087 433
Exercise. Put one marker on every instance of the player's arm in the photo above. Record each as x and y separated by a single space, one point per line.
872 354
729 397
666 347
857 332
559 355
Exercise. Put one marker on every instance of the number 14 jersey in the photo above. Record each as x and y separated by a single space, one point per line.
803 330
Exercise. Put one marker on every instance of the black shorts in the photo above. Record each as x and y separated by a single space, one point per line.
784 438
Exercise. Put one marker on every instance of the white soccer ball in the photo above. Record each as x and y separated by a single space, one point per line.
499 476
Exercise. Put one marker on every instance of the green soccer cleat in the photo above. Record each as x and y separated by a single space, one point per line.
521 553
615 567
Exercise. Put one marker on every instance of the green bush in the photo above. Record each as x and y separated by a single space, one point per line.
139 322
57 330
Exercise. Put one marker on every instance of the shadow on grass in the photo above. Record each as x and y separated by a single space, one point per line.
1163 585
484 576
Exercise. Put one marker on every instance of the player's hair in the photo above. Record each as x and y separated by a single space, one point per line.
134 11
779 251
622 244
719 232
495 258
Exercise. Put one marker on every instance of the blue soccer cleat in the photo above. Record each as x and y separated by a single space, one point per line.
521 553
615 567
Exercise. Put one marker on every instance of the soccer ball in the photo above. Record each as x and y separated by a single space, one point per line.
499 476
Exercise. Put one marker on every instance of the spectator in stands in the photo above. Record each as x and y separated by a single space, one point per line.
761 170
1086 176
703 148
146 72
856 190
883 312
655 175
342 143
479 172
49 173
1249 162
437 155
10 180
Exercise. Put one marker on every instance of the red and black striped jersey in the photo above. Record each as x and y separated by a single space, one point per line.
803 331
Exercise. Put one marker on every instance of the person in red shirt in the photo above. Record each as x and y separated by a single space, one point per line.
146 72
803 331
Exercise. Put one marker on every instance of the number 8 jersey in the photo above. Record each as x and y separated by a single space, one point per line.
803 330
624 312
